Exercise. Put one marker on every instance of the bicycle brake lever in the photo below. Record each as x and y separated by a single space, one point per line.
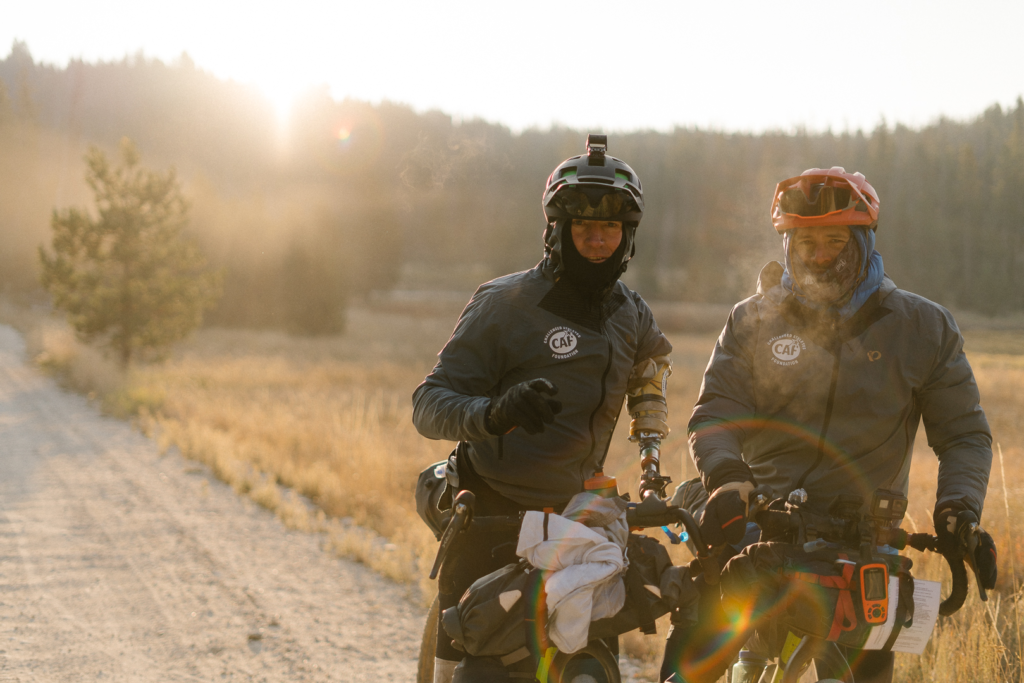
970 543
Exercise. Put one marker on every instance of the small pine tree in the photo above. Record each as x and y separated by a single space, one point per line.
130 278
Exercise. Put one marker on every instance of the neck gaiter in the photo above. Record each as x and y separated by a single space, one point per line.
587 276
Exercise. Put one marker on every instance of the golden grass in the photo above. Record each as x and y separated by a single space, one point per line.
320 432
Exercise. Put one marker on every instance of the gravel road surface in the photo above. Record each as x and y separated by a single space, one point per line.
119 564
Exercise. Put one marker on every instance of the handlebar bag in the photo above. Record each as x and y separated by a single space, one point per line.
811 593
505 611
491 617
653 587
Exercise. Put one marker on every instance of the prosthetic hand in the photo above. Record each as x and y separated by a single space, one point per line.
524 405
957 525
724 519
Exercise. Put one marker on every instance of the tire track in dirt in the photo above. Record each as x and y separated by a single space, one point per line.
117 563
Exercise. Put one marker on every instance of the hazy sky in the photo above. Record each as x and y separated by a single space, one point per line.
613 65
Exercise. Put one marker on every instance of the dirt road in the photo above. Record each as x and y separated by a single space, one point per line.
119 564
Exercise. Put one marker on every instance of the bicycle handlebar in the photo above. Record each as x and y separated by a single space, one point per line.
651 512
955 560
655 512
776 522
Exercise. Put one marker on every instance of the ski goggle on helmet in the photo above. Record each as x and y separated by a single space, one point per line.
593 186
594 202
820 198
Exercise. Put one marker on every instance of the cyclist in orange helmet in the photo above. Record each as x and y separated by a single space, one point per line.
818 382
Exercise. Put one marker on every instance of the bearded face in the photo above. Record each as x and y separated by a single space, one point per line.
825 262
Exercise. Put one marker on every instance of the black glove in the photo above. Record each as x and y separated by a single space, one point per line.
952 519
524 405
724 519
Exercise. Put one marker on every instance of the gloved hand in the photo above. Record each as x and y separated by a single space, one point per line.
724 519
952 519
524 405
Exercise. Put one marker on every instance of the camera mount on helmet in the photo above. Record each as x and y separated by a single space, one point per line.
597 147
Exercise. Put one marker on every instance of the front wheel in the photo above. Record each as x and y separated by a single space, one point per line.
824 653
564 667
428 646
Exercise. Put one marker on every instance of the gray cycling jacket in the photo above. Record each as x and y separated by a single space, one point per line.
835 408
521 327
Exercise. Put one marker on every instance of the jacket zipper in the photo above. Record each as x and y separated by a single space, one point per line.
907 434
501 437
828 418
593 415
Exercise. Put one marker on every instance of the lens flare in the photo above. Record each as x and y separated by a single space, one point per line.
834 458
344 133
537 616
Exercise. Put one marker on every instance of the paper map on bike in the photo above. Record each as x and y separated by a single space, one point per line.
913 638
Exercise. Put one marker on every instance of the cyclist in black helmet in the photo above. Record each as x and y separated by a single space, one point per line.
533 379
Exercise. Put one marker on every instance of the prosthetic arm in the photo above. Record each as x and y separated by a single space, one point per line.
646 390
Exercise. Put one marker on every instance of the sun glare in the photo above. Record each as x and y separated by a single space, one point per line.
282 93
282 98
282 103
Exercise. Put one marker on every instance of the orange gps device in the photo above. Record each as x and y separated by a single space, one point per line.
874 592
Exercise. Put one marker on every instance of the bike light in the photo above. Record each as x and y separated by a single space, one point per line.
874 592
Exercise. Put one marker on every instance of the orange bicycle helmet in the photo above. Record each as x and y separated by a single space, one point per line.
818 198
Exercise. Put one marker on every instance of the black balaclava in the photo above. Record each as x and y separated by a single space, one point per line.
587 276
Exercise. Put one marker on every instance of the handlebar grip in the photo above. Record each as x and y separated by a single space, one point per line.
958 594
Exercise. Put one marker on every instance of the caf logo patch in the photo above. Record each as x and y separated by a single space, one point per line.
562 341
786 349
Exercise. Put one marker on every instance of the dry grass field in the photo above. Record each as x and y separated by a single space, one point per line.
319 431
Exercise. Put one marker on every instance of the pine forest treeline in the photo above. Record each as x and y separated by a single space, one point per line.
354 197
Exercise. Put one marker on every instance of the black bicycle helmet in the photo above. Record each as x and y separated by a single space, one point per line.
594 185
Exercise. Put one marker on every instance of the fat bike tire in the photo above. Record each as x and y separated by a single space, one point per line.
425 665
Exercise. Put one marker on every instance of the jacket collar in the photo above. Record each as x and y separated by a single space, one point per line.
769 284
